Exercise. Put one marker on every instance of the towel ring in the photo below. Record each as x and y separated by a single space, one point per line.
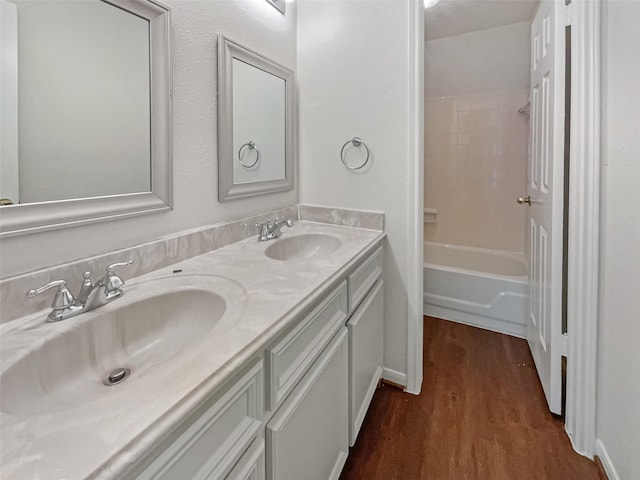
252 146
356 142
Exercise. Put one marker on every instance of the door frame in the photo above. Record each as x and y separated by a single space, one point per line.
584 226
584 217
415 182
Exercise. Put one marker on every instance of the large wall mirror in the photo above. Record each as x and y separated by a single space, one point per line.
85 123
255 123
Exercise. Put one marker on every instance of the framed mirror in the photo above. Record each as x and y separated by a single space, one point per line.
85 113
255 123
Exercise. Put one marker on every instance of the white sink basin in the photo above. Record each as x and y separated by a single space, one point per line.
303 247
156 321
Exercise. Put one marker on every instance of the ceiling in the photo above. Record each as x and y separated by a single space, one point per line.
453 17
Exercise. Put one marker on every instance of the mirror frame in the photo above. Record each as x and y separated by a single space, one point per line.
227 189
38 217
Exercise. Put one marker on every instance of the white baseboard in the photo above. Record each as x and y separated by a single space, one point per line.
495 325
394 376
601 452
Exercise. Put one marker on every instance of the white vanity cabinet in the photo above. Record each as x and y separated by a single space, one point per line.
309 435
366 334
216 436
363 277
307 438
293 414
307 371
291 356
365 357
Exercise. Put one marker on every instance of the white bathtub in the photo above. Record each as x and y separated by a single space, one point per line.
476 286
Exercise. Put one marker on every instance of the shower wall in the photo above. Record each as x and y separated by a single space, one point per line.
476 141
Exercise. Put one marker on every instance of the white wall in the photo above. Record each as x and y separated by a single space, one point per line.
353 74
83 95
478 62
618 407
196 25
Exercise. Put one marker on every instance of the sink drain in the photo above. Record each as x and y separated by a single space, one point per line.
116 376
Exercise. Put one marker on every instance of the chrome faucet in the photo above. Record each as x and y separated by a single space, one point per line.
269 230
91 295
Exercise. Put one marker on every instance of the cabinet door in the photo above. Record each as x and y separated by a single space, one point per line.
215 435
307 438
293 355
365 356
251 465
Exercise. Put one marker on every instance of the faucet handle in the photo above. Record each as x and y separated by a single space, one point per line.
63 297
118 264
283 221
113 281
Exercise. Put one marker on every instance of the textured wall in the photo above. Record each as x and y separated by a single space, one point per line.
195 26
618 426
353 71
478 62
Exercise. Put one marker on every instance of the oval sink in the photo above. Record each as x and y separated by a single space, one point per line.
156 321
303 247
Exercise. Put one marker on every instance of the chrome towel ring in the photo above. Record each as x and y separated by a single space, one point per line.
356 142
252 146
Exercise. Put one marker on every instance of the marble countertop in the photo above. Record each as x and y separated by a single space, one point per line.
103 437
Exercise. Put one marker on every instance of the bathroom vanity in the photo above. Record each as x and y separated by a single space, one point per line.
256 360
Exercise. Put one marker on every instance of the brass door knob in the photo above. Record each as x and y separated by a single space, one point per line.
5 201
526 200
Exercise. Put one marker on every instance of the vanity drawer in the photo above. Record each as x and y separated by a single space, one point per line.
363 278
218 435
291 357
251 466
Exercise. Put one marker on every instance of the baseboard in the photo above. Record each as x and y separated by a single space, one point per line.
609 469
495 325
394 376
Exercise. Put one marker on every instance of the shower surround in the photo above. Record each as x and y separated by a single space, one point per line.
475 167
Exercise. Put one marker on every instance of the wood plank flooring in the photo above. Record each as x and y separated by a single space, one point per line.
482 416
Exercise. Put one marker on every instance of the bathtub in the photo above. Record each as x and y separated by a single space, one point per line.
476 286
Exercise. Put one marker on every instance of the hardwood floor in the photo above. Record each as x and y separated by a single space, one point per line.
482 415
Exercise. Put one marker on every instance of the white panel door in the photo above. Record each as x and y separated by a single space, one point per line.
545 190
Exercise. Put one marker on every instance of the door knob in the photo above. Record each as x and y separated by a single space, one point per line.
526 200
